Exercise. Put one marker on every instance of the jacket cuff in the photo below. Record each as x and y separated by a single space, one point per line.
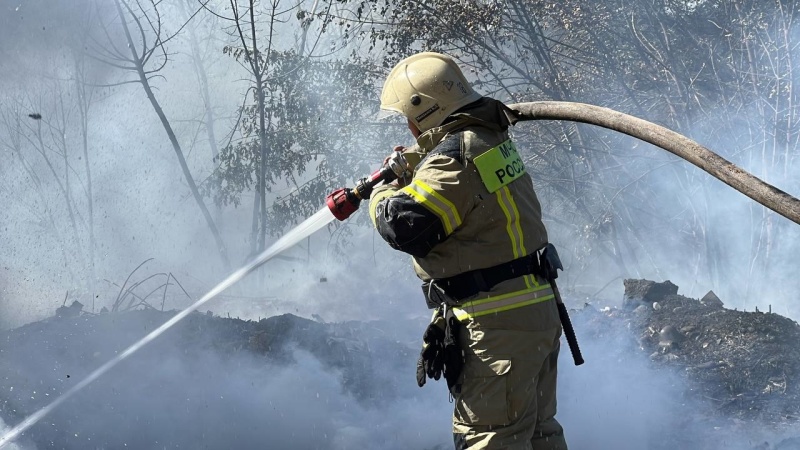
378 195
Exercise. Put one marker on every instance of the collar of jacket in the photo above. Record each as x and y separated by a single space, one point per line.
486 112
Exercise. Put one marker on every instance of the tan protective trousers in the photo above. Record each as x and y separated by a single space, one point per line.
508 392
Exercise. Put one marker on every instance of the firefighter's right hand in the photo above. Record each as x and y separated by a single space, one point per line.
431 358
399 165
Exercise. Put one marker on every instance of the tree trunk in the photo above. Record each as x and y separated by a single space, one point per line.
14 131
64 190
223 252
210 120
83 107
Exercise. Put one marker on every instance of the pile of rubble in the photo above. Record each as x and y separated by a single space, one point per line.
747 364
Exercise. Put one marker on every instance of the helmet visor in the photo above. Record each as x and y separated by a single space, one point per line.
388 115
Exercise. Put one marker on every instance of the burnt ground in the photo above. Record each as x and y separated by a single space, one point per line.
738 371
741 368
182 389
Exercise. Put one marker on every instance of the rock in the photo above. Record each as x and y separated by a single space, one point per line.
72 310
711 300
751 353
669 339
638 292
656 306
669 335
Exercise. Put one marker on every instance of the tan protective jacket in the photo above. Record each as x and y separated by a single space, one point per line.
455 217
470 205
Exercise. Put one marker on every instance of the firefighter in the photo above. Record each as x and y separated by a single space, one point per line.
466 211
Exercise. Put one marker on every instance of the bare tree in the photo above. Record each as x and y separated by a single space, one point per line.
146 56
85 94
257 61
17 135
201 63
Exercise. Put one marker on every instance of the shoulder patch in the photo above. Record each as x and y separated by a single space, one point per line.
450 146
499 165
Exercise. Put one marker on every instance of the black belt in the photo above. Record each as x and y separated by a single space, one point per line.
467 284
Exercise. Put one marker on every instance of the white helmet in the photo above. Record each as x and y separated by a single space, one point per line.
426 88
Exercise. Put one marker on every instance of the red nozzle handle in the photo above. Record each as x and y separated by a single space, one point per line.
344 202
383 174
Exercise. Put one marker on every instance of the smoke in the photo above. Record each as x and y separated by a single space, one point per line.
188 390
619 399
142 209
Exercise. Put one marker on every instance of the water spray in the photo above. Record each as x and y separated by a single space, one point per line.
308 227
341 204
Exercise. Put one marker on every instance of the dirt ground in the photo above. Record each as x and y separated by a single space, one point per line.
743 367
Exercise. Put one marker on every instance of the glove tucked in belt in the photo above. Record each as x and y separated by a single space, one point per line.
431 359
441 352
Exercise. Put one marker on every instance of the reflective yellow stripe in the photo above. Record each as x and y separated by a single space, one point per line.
514 229
437 204
501 199
431 205
529 279
450 207
483 301
505 302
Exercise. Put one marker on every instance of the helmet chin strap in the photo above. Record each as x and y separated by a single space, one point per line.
412 127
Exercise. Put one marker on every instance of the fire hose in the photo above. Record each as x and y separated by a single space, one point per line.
344 202
675 143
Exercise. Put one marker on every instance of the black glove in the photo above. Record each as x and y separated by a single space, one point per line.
453 357
431 358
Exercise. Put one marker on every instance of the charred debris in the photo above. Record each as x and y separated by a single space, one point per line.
744 367
206 369
745 364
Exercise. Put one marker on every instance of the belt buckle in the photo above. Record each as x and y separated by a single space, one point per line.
435 296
